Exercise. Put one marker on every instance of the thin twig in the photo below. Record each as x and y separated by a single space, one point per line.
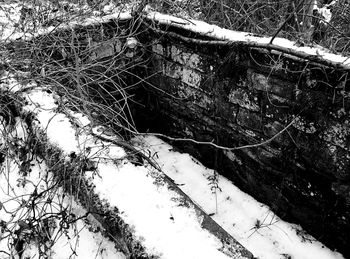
219 146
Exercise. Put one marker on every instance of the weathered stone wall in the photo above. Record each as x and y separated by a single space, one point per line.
96 51
296 113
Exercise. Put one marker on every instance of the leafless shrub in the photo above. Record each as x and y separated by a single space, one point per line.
294 19
77 65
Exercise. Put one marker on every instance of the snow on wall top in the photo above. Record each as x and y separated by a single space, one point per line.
222 34
197 26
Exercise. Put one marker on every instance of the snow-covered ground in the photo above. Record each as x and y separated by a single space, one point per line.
159 220
19 19
161 223
22 220
251 223
31 204
16 216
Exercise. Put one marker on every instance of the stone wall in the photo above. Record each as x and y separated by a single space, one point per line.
96 51
294 113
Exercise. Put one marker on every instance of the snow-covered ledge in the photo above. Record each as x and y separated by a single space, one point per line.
138 206
214 35
221 36
268 105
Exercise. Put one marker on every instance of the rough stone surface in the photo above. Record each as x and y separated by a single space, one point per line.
112 48
237 96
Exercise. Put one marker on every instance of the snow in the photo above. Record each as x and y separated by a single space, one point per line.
85 244
17 193
159 220
163 226
150 209
51 121
237 36
325 11
123 12
9 15
16 189
11 23
238 212
167 228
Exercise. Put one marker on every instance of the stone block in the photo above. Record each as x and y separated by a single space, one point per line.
172 70
342 190
102 50
158 49
249 120
245 99
204 101
301 124
275 107
338 134
184 57
226 111
271 129
340 158
191 77
167 85
269 84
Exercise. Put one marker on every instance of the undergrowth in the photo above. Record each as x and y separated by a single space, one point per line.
42 190
31 208
77 65
96 68
93 69
292 19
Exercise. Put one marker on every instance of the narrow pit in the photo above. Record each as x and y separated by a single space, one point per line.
289 112
232 96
